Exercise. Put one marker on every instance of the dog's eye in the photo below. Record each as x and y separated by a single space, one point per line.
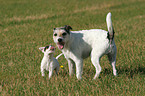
55 34
63 34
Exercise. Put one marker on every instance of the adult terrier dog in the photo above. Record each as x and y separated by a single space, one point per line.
48 62
78 45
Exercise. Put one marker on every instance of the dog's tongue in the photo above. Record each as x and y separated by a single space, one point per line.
60 46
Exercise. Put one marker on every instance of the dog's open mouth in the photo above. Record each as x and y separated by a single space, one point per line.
60 45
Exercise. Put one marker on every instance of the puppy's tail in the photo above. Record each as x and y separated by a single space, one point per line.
59 55
110 27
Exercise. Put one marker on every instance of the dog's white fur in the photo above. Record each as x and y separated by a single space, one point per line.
78 45
48 62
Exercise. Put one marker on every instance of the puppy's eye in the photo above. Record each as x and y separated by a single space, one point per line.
63 34
46 48
55 34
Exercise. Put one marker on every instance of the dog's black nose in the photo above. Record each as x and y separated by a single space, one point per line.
59 40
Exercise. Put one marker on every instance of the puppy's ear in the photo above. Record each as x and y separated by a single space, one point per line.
42 49
67 28
54 29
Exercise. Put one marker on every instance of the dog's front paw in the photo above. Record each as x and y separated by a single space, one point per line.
79 77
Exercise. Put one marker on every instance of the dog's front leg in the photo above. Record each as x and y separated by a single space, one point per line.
71 66
79 68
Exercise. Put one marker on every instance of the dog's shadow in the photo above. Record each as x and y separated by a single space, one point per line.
130 72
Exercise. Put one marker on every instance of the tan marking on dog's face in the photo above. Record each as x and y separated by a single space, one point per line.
57 34
60 34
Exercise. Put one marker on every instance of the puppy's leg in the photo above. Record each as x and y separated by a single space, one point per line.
112 59
56 70
50 72
47 67
95 58
42 71
71 66
79 68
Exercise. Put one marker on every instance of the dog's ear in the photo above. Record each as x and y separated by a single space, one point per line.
67 28
42 49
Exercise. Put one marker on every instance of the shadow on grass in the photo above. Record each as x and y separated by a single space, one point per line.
130 72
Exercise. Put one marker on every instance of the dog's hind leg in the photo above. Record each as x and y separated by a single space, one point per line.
112 59
97 67
95 60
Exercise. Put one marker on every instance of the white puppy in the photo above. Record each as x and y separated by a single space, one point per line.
78 45
48 62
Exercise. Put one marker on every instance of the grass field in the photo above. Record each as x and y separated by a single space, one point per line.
26 25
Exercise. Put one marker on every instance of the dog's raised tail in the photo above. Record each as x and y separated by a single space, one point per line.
110 27
59 55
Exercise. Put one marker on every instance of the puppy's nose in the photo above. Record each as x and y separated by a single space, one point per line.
52 48
59 40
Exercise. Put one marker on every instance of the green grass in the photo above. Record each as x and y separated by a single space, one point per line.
26 25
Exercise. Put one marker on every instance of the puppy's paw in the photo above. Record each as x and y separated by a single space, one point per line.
43 74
